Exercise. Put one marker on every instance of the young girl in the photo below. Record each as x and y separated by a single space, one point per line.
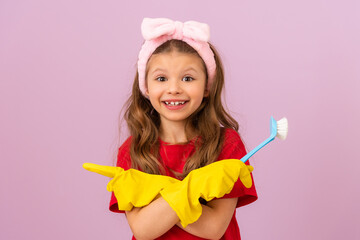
177 124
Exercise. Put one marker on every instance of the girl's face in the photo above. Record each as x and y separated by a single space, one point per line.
175 85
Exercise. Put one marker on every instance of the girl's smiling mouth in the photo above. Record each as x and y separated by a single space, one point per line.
174 104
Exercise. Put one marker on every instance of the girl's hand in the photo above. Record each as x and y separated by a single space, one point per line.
132 188
209 182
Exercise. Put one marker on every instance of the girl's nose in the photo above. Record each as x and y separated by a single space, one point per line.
174 86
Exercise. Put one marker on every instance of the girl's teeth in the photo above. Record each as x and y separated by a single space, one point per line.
174 103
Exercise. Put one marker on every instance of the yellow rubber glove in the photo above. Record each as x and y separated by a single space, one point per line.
132 188
212 181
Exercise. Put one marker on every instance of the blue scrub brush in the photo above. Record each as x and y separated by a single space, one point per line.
277 129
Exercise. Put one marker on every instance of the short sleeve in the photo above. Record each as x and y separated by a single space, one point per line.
123 161
233 148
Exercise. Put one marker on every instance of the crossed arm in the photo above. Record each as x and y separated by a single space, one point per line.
208 221
212 224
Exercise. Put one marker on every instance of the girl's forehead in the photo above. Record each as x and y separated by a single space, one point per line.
175 58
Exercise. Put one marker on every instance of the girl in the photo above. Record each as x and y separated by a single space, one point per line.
177 124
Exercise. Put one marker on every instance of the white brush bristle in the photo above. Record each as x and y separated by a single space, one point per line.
282 128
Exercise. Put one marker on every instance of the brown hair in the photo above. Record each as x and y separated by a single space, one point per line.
209 120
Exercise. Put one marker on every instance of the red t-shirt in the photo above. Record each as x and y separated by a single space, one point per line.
174 157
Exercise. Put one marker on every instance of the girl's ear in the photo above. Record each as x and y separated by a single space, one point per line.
206 93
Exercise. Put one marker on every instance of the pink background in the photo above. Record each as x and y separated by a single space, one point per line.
66 68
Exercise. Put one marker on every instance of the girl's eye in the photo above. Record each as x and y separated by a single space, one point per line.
161 79
187 79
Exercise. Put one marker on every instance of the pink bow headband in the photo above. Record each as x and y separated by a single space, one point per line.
157 31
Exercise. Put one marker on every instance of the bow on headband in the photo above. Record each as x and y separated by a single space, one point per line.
153 28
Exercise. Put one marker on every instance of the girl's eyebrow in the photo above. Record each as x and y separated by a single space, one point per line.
190 69
157 70
152 71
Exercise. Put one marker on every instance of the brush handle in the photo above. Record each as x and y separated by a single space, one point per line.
249 155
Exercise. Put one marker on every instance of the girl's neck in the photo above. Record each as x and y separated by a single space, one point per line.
174 133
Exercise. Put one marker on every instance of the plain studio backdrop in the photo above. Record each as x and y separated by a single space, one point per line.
66 69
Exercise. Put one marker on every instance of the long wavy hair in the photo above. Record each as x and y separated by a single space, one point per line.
209 120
